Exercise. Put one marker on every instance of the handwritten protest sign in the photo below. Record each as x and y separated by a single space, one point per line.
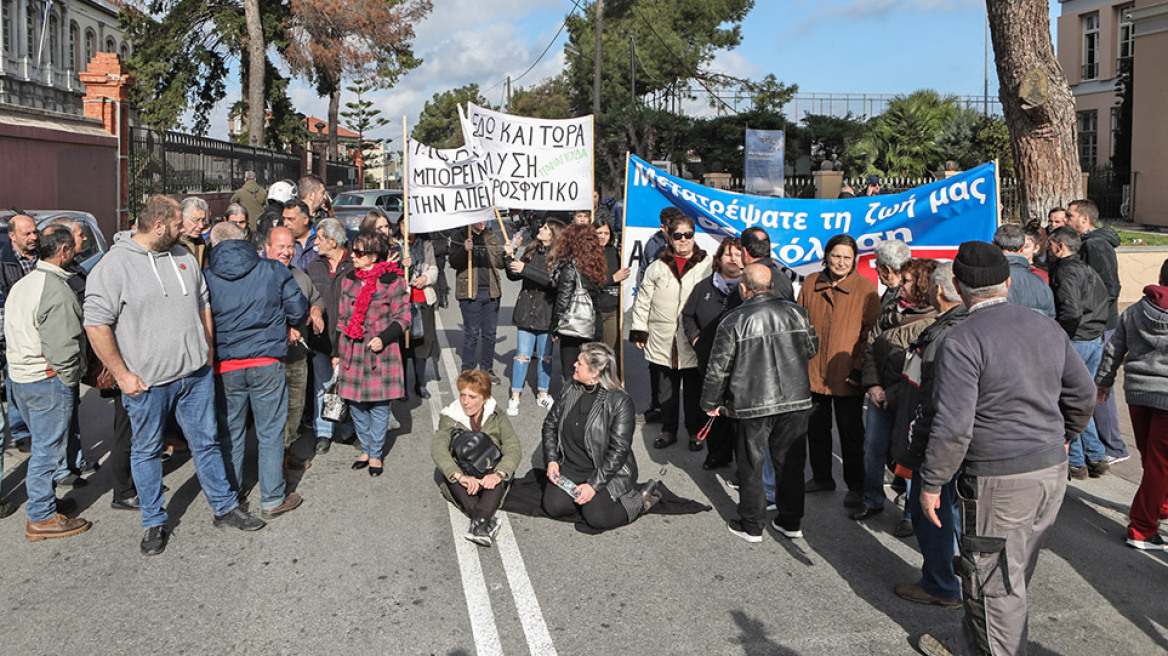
447 188
533 164
933 219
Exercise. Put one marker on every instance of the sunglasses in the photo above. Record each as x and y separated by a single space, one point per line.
357 253
682 235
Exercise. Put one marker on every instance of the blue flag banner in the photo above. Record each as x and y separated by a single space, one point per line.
763 173
932 219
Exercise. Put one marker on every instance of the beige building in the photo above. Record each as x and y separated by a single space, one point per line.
1094 37
45 45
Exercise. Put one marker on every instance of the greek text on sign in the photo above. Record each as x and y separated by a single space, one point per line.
446 188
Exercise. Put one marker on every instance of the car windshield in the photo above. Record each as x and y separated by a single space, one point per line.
353 199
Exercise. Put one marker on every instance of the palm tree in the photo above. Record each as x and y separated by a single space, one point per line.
903 140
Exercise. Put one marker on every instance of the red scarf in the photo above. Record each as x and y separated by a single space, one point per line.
356 326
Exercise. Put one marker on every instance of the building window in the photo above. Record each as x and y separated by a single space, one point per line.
54 41
110 45
1091 46
1127 36
1115 114
90 48
1088 138
125 51
6 23
72 46
30 19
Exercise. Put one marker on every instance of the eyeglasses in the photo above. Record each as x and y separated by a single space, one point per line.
357 253
682 235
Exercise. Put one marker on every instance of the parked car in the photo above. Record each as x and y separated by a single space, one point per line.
95 244
352 206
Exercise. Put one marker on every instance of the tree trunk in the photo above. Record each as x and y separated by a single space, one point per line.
1042 129
256 60
333 117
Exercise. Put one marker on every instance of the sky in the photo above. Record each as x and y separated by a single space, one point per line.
823 46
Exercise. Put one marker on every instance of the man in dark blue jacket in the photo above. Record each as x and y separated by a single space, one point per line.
1026 288
253 303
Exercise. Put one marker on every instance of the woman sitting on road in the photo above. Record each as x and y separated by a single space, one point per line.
533 313
587 441
374 313
477 497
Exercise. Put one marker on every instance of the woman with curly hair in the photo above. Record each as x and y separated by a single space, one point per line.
657 329
580 270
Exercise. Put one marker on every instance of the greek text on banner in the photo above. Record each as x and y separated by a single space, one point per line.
446 188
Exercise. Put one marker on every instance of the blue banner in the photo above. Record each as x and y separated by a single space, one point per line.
932 219
764 162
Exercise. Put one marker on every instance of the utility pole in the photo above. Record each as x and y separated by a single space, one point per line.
596 59
986 81
507 108
632 69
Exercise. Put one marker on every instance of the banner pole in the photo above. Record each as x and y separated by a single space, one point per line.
470 266
620 317
998 191
406 209
501 226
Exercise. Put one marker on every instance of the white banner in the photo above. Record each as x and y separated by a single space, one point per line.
533 164
446 188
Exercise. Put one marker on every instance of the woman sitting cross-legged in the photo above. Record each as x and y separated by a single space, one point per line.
587 440
478 494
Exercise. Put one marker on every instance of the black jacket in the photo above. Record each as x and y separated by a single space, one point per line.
1098 250
758 367
329 287
780 282
533 307
1080 299
914 414
566 278
10 271
702 313
608 435
610 293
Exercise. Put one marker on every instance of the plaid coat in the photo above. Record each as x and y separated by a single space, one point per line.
362 375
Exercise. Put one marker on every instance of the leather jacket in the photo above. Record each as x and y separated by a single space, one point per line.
608 435
1080 298
758 367
571 319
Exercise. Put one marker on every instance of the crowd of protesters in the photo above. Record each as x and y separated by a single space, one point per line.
965 386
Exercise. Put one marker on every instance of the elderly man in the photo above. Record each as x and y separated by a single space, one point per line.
253 303
237 214
297 218
196 217
759 343
16 261
1098 251
327 271
1026 288
279 247
45 345
148 317
1002 364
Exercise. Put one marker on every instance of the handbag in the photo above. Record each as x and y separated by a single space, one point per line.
96 374
417 328
474 452
332 407
580 320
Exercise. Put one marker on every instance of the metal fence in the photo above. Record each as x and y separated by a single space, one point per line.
176 163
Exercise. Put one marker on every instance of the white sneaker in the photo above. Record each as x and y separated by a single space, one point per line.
513 407
786 532
545 400
394 424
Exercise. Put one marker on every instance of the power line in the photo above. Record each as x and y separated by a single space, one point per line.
541 55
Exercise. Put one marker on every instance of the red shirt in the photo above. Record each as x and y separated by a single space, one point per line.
680 262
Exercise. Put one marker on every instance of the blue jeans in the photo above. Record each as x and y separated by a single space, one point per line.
74 459
938 545
372 422
525 342
192 400
1107 420
878 424
49 406
1092 352
480 318
768 477
265 390
323 376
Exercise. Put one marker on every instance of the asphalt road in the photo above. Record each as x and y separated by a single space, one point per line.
380 566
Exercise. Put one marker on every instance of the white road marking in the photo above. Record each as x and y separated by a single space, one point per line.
539 640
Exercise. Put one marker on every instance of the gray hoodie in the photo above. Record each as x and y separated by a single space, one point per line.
1140 343
154 302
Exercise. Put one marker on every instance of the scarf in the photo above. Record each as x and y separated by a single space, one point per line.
356 326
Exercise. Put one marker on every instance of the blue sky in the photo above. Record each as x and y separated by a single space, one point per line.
852 46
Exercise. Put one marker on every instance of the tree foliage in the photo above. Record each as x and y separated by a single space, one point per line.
362 117
548 99
904 139
438 124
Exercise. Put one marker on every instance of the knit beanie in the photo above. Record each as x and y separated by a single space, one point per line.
980 264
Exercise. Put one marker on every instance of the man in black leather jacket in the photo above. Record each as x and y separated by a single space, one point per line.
758 374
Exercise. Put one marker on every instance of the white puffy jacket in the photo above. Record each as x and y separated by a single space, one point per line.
657 310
